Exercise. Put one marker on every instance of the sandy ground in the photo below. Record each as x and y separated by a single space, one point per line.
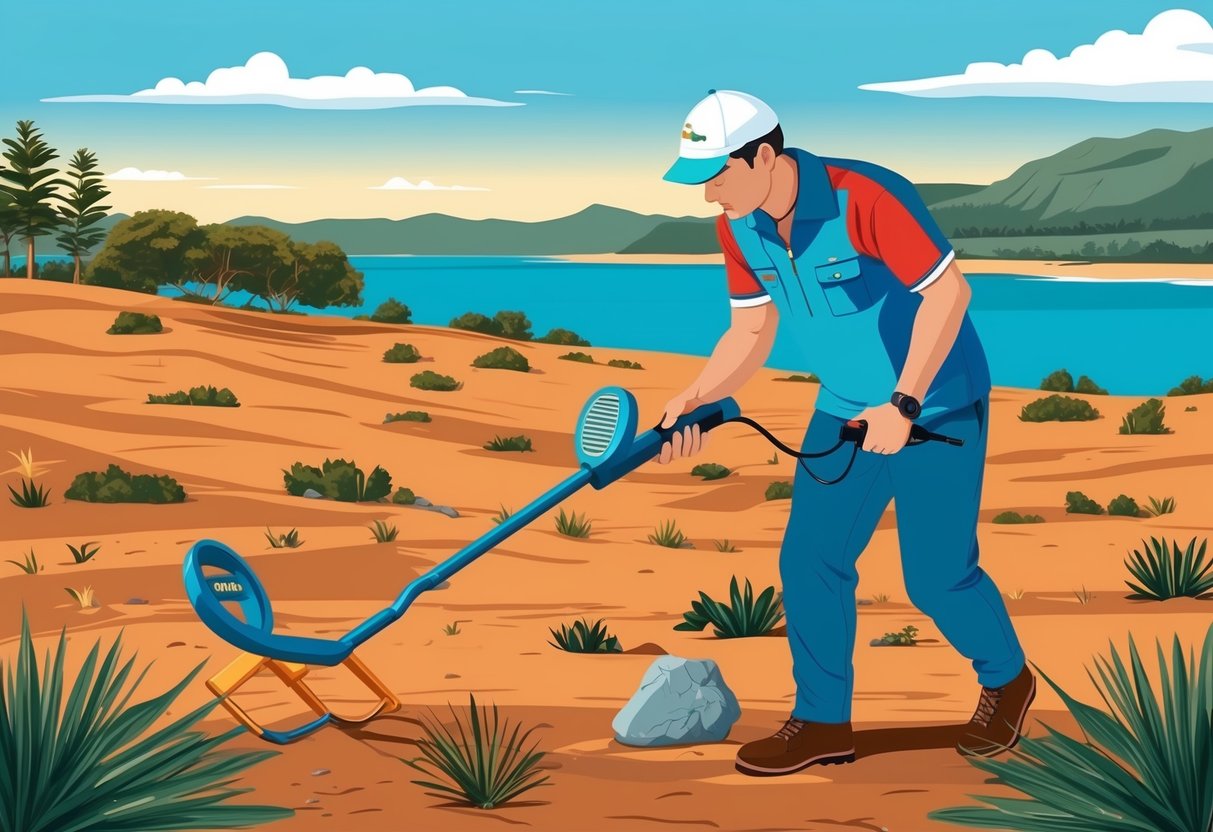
1044 268
312 388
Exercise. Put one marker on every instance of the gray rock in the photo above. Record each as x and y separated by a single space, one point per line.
423 502
136 601
312 494
447 510
679 701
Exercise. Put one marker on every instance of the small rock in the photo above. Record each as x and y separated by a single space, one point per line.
176 644
865 602
679 701
312 800
452 676
136 601
312 494
320 772
447 510
422 501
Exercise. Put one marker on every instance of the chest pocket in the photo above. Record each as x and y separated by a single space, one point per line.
844 287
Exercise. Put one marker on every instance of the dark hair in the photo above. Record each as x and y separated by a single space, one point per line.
749 151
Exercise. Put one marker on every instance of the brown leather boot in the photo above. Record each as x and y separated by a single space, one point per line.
795 746
996 725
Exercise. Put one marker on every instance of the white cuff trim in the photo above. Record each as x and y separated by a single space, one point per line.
935 272
758 301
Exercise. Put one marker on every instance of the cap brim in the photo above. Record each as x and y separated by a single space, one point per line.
695 171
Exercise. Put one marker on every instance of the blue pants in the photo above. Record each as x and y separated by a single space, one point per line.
937 489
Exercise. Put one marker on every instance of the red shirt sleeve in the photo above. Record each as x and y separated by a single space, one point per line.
908 245
744 287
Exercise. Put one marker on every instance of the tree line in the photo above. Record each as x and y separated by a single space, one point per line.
1084 228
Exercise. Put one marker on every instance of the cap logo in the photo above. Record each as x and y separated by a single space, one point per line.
689 133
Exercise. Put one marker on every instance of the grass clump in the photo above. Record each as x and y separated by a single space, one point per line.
1158 507
451 629
779 491
584 637
1192 386
202 396
1123 506
710 471
429 380
404 496
669 535
383 532
724 546
809 378
74 755
407 416
1058 408
135 323
84 597
29 564
1142 764
83 554
509 443
502 358
572 525
1079 503
118 486
32 495
402 354
1146 418
338 479
1014 518
741 616
483 763
583 357
290 540
905 637
1162 571
501 516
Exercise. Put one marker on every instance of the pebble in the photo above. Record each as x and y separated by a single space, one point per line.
136 601
452 676
312 494
312 800
865 602
422 501
320 772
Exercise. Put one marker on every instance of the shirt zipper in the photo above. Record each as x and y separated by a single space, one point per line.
796 272
792 260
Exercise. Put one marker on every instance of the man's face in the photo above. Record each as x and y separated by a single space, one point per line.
740 189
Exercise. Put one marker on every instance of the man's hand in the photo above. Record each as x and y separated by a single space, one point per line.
689 441
888 430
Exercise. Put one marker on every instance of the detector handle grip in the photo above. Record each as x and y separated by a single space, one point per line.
856 430
707 416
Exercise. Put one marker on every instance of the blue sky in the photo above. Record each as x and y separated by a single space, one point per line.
630 71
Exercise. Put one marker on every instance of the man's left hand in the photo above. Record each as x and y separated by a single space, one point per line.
888 430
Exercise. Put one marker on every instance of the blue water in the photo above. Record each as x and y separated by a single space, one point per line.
1132 337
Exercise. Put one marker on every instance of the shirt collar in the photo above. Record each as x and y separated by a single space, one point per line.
815 197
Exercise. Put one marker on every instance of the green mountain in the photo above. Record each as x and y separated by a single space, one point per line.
678 237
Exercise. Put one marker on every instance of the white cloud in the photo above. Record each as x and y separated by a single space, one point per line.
539 92
253 187
137 175
265 79
1171 60
397 183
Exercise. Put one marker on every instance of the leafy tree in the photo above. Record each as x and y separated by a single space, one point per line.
262 252
318 275
30 184
80 211
147 250
226 253
514 325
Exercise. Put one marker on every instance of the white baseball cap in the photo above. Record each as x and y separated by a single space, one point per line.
725 121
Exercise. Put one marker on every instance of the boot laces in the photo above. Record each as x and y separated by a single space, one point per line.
791 728
987 704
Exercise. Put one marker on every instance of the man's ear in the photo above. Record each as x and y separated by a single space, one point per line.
768 155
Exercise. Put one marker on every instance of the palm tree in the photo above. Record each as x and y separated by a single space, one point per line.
31 185
80 211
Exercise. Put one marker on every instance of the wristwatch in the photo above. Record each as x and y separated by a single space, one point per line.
909 406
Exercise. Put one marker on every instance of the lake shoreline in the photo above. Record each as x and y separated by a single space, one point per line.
1030 268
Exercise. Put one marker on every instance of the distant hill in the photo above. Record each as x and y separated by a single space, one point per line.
678 237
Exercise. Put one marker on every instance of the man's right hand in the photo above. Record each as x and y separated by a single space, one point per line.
690 440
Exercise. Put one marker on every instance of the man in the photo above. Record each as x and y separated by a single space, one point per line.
846 255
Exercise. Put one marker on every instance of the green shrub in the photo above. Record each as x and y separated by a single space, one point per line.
1079 503
509 443
584 637
74 755
83 554
625 364
583 357
565 337
206 396
801 377
118 486
573 525
429 380
1014 517
502 358
1058 381
724 546
135 323
392 311
404 496
408 416
383 532
1191 386
1163 572
402 354
1123 506
32 495
905 637
710 471
1146 418
340 480
779 491
514 325
669 535
742 616
1164 506
1087 386
484 762
1057 408
1144 766
475 322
